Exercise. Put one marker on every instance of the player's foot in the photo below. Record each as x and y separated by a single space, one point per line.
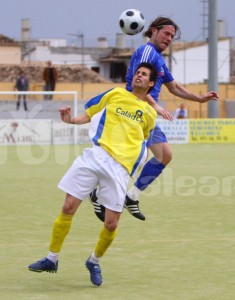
99 209
133 208
44 265
95 272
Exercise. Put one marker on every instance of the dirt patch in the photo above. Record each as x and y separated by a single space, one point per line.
66 73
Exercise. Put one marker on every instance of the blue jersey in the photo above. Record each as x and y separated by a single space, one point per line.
149 53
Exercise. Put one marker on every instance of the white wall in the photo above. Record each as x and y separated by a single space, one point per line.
10 55
43 53
191 65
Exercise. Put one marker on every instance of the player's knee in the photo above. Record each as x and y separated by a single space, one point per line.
165 159
70 205
68 209
111 225
168 157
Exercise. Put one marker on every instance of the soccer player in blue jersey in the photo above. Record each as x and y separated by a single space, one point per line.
121 122
161 32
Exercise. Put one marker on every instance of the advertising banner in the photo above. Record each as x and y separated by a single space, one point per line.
70 134
176 131
212 131
29 132
25 132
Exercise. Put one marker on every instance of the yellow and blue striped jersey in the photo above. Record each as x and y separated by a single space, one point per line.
121 123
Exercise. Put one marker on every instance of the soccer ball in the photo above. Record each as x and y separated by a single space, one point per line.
131 21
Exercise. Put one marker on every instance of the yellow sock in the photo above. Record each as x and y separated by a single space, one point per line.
105 239
59 232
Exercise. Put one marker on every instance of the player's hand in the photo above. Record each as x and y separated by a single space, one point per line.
209 96
162 111
165 114
65 114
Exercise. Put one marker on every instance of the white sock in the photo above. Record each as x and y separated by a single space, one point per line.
53 256
134 193
94 259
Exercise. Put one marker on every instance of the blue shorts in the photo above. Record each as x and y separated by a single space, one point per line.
156 136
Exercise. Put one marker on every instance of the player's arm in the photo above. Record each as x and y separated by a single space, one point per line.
65 114
178 90
159 109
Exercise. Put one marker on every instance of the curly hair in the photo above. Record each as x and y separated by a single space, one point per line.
159 23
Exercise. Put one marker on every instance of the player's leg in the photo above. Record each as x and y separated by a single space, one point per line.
162 155
106 237
77 183
60 230
112 191
108 232
152 169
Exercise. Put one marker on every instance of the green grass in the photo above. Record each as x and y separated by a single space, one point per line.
183 251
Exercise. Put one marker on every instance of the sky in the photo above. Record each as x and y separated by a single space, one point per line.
99 18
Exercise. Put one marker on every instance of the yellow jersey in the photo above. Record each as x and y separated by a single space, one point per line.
121 123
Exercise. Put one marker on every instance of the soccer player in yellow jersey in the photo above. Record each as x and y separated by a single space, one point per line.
121 122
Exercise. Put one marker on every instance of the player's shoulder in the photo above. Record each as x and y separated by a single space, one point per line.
149 51
118 93
143 47
120 90
151 47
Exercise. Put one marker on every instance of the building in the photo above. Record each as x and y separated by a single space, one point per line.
109 62
188 60
10 51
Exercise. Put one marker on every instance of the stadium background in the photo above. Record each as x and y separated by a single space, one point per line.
196 110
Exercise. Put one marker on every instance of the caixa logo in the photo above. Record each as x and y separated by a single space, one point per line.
135 117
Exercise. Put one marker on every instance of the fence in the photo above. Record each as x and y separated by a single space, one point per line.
42 125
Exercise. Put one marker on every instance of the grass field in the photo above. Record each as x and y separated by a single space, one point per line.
183 251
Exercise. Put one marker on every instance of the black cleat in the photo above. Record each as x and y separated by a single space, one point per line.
133 208
99 209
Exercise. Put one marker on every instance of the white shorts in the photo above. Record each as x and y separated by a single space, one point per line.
96 167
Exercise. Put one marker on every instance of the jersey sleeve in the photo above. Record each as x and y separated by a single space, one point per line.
96 104
167 74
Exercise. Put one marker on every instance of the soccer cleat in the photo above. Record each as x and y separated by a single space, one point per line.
95 272
44 265
99 209
133 208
